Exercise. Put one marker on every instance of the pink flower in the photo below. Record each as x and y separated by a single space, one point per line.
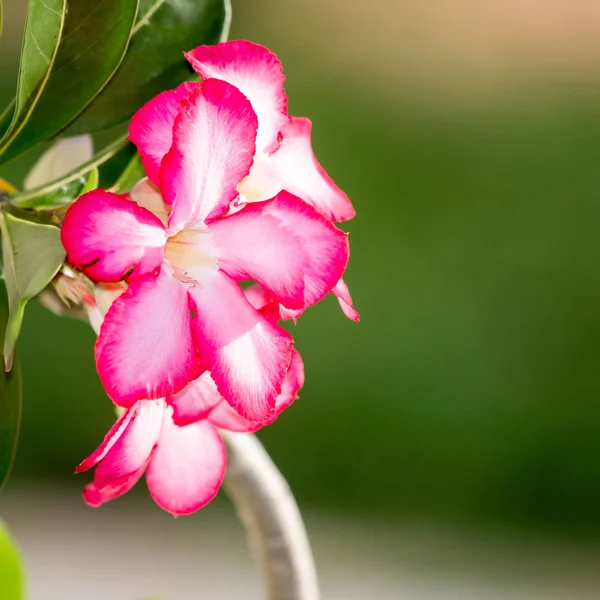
183 312
283 158
175 440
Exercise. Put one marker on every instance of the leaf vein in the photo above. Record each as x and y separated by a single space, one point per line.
146 18
52 10
39 49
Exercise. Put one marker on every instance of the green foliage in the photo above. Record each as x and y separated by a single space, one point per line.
133 172
154 61
85 70
10 408
64 190
70 52
32 254
43 30
11 572
6 117
92 181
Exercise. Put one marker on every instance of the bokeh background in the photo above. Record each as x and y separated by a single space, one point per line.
447 446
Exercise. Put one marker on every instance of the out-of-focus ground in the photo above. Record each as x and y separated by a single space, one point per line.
448 446
131 550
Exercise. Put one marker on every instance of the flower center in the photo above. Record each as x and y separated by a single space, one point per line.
190 252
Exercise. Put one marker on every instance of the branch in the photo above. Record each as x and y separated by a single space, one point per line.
268 511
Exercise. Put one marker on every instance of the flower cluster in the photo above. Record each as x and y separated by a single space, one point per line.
233 194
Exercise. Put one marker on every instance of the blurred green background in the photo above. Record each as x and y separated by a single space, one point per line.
469 142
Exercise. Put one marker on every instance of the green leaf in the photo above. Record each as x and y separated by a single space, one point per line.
64 190
88 50
92 181
60 158
133 172
38 52
11 571
32 254
6 117
10 406
154 61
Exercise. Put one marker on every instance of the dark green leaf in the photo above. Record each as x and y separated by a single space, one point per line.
70 186
6 117
43 29
32 254
133 172
113 169
10 406
154 61
91 47
11 571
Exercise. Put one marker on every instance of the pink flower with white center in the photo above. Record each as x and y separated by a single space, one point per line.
283 158
183 312
175 440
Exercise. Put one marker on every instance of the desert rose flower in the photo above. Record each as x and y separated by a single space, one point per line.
175 440
283 159
183 312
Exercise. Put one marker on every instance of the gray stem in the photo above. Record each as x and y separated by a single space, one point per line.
268 511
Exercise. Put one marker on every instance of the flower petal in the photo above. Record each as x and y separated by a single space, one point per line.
125 462
213 148
342 293
148 196
151 128
187 467
263 301
300 173
284 244
145 347
195 401
110 237
225 417
110 439
246 354
257 73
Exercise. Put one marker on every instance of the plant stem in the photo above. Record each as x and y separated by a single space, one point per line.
274 526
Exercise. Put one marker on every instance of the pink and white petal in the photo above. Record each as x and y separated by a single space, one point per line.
299 172
225 417
267 304
151 127
342 293
148 196
145 347
126 461
195 401
187 467
95 496
258 296
110 439
290 314
213 148
247 355
109 238
285 245
263 301
262 183
106 293
257 73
